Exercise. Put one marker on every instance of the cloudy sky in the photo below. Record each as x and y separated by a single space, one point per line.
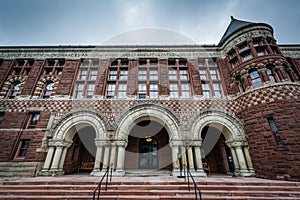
94 22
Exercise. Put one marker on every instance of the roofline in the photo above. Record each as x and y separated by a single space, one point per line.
108 46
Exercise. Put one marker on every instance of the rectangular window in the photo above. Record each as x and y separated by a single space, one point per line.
243 47
143 74
113 75
123 74
153 91
90 90
183 75
172 74
173 90
83 74
94 74
153 74
79 90
274 130
111 91
203 74
205 88
33 119
213 74
22 149
217 90
142 90
185 90
260 52
122 91
1 116
247 56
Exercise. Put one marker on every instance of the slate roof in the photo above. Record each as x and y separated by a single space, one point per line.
237 25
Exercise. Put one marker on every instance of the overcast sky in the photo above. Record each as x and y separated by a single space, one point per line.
94 22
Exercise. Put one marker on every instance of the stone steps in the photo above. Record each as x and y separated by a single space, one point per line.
149 188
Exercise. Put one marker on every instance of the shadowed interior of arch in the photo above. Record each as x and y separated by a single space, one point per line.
216 155
80 156
148 147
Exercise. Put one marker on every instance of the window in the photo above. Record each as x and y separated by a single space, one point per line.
217 90
256 81
205 88
203 74
153 74
113 75
90 90
33 119
142 90
274 130
86 81
153 91
111 91
79 90
173 90
15 90
247 56
1 116
22 149
22 67
48 90
243 47
213 74
260 52
183 75
54 67
256 43
123 74
94 74
172 74
143 74
122 90
185 90
271 75
83 74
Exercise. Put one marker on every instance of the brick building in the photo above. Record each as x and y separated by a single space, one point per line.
230 108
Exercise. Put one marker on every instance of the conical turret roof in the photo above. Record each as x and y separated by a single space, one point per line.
236 25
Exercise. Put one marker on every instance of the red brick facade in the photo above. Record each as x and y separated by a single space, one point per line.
259 82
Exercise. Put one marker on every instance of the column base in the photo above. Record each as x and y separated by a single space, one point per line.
51 172
246 173
119 173
97 173
199 173
177 172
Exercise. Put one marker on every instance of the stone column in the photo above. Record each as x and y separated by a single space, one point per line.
62 159
106 156
98 158
113 156
264 75
174 145
191 159
49 158
248 159
121 158
56 159
235 160
241 159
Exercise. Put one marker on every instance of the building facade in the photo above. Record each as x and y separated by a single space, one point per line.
230 108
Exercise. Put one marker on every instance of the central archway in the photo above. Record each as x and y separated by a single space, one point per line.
148 147
169 138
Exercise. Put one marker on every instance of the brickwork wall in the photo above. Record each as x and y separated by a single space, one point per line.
68 77
272 160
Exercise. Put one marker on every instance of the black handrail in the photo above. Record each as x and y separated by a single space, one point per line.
195 185
98 188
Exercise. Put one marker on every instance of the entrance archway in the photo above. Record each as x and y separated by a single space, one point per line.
80 155
148 147
216 156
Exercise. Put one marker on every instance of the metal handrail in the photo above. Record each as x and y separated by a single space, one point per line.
195 185
98 188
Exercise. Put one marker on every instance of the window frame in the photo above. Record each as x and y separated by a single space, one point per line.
24 149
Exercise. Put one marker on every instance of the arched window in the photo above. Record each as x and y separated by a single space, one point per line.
48 90
271 75
15 89
255 78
